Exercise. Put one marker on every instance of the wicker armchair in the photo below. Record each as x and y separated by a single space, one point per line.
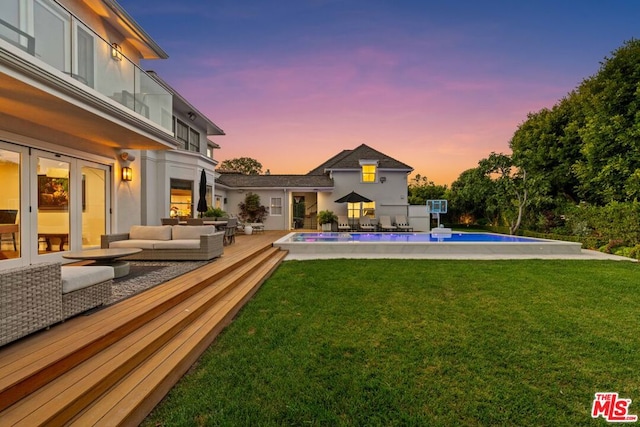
31 300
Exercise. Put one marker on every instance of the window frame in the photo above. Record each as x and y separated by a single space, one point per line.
275 209
366 175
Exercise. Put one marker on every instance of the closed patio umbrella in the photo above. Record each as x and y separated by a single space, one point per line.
202 202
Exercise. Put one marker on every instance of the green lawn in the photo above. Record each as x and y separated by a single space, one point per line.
421 342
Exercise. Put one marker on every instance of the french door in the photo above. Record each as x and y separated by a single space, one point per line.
50 204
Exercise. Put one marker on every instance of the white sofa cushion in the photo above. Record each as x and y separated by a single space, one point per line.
142 244
178 244
74 278
150 232
191 231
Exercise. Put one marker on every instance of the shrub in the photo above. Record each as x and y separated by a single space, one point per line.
215 213
251 210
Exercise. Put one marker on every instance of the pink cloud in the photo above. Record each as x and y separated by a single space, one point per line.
293 114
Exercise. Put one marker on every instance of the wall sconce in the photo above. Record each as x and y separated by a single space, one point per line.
191 115
383 179
116 52
127 174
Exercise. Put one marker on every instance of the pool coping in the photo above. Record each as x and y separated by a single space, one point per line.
540 249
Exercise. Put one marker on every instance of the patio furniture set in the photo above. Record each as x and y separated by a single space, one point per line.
39 295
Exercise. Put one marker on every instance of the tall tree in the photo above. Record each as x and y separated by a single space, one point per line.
421 190
469 193
510 194
611 134
245 165
547 146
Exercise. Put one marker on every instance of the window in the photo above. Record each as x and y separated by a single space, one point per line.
189 138
51 30
210 151
85 57
181 198
194 141
276 206
182 133
369 209
369 170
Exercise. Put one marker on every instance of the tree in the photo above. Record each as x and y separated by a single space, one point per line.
611 133
469 194
421 190
548 146
244 165
496 190
511 192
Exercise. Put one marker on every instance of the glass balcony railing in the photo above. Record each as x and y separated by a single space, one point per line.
49 32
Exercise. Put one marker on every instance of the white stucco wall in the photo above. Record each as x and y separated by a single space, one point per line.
158 168
390 196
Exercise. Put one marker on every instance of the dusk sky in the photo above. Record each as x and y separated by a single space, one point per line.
436 85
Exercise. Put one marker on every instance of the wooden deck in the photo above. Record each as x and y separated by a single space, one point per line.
113 366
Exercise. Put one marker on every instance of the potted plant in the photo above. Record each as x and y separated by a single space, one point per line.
326 218
215 213
251 211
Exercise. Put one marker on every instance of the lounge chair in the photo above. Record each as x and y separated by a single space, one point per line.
385 223
365 224
343 223
402 224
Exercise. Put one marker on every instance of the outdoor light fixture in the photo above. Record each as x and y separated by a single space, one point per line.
127 174
116 52
191 115
383 179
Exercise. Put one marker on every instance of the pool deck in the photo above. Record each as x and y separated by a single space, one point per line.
543 249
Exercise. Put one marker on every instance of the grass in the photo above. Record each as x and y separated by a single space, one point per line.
420 342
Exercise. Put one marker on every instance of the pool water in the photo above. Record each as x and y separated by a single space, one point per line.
407 237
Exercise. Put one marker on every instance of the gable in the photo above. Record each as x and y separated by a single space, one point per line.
352 159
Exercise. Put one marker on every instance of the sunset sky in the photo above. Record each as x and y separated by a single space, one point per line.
438 85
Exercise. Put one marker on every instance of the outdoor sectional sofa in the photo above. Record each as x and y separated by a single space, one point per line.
39 295
169 242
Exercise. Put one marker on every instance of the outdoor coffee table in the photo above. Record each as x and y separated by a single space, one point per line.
106 257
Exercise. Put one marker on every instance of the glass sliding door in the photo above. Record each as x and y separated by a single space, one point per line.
10 203
53 195
52 30
85 56
93 204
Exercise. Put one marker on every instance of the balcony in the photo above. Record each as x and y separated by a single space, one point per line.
53 35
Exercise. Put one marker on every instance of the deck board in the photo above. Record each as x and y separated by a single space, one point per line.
27 366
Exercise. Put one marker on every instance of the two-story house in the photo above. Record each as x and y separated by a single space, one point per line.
293 201
90 143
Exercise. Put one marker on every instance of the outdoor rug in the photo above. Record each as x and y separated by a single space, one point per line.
147 274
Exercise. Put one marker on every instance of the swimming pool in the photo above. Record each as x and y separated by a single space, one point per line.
408 237
453 243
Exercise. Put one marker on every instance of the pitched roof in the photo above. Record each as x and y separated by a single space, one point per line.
238 180
350 159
